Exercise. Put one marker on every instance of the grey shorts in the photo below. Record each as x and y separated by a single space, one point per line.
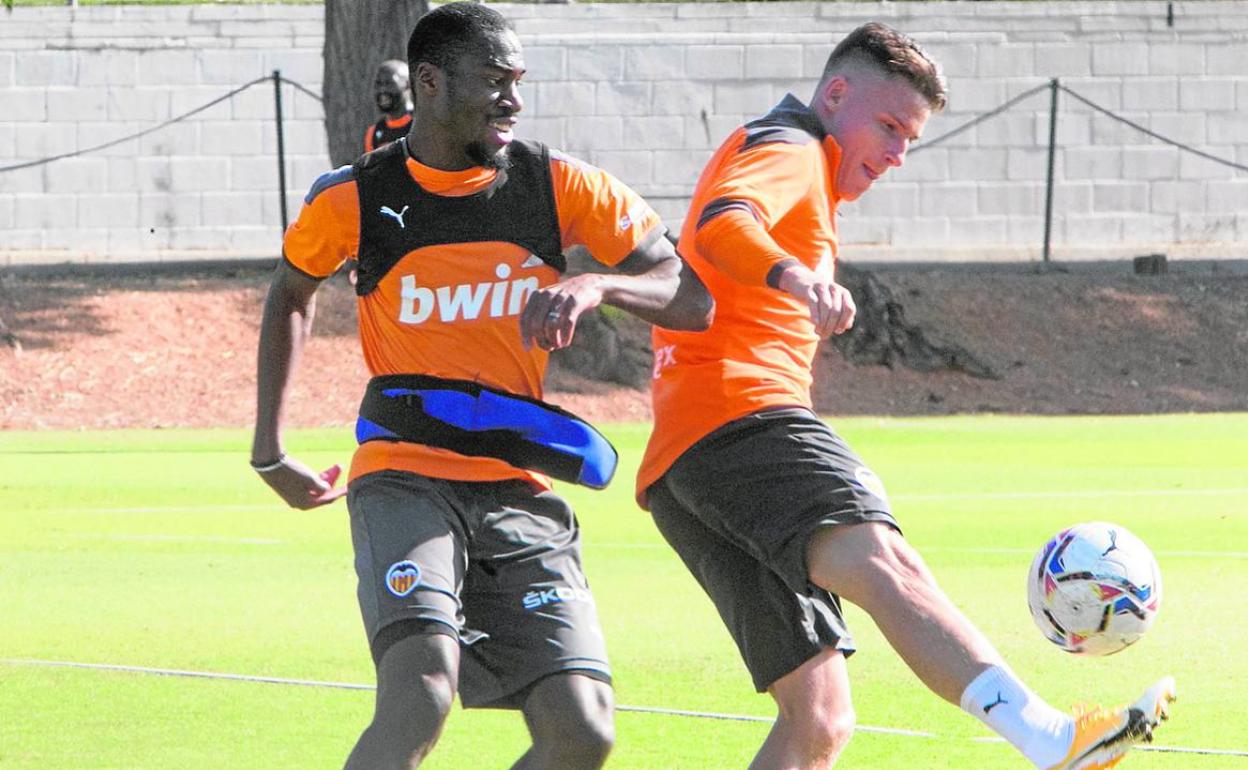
496 565
739 507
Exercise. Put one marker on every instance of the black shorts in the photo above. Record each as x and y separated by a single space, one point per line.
496 565
739 507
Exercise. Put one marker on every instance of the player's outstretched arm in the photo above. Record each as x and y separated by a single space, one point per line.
286 325
653 283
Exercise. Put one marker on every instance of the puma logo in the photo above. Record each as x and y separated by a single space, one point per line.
1113 542
995 703
398 215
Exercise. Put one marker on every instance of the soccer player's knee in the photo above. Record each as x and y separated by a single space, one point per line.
579 739
439 691
592 736
840 729
576 724
827 728
594 722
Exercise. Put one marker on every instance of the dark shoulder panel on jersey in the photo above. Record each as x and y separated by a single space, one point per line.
790 122
720 205
329 179
756 135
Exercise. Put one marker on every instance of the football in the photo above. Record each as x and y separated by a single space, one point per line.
1094 589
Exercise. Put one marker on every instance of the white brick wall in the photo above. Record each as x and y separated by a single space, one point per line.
646 91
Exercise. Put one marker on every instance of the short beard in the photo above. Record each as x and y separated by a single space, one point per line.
499 161
386 102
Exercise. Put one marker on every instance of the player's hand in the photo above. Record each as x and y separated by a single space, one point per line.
832 307
300 486
550 316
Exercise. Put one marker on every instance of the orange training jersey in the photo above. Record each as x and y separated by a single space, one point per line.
453 310
766 197
386 130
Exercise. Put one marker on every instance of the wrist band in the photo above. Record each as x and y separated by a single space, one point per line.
266 467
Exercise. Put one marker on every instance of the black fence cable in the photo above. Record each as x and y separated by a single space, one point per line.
980 119
144 132
305 89
919 148
166 124
1151 133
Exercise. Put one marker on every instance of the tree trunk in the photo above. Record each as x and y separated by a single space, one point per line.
882 335
359 36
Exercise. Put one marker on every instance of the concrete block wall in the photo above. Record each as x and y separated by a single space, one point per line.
646 91
75 78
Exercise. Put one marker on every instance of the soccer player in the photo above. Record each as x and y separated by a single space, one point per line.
771 511
393 94
469 566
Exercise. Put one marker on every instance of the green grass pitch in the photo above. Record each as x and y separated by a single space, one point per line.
161 549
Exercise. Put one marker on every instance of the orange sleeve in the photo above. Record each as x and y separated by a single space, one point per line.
598 211
751 191
327 232
368 138
739 246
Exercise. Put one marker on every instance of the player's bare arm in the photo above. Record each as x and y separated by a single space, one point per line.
653 283
285 327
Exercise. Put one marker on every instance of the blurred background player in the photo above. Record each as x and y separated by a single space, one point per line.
771 511
469 566
392 93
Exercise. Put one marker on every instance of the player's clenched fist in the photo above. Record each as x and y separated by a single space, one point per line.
832 307
550 315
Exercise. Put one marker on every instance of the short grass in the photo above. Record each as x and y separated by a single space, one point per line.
161 549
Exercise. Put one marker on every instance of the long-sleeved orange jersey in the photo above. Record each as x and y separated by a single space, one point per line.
767 196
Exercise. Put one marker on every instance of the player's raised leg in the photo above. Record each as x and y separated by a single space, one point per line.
872 566
570 720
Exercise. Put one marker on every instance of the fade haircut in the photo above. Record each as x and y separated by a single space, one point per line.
895 54
448 32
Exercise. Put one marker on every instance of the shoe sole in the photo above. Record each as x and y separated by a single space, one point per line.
1152 708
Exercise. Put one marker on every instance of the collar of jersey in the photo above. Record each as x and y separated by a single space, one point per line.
453 184
795 112
399 122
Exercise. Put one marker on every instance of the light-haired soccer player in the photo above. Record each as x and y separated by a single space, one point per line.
771 511
469 565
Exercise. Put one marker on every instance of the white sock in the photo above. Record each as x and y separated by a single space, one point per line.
1000 700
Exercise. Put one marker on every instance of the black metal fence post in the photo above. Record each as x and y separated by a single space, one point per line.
1048 192
281 144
